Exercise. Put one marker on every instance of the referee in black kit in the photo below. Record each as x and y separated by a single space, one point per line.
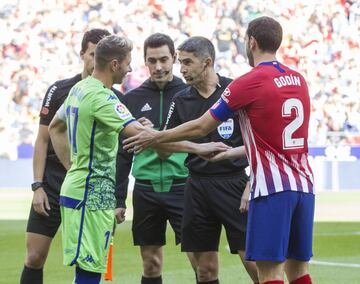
213 191
44 219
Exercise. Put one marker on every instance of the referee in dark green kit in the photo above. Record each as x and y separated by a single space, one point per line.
158 194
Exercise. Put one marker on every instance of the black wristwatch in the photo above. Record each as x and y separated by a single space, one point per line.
35 185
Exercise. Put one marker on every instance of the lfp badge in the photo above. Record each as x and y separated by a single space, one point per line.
226 128
122 111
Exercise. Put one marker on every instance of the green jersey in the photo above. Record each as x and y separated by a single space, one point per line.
94 118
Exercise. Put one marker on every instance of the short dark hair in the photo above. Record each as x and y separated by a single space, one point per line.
267 33
158 40
93 36
199 46
111 47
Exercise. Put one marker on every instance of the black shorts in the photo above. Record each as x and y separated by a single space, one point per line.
152 210
211 202
43 225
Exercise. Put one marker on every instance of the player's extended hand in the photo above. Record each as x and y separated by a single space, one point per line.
217 156
120 215
244 203
231 153
41 202
208 150
145 122
141 141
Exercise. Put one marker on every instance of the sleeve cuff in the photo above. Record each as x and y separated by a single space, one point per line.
120 203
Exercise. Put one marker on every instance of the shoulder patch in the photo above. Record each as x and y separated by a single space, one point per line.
122 111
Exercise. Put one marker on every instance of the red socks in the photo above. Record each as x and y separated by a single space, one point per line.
302 280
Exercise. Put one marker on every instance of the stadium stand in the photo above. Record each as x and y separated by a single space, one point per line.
40 42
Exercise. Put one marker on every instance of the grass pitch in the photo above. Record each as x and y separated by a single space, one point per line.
336 257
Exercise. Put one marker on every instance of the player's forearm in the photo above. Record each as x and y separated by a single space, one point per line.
192 129
176 147
189 130
132 129
62 148
237 152
39 159
59 139
164 150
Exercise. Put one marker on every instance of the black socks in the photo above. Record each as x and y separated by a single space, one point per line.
155 280
31 276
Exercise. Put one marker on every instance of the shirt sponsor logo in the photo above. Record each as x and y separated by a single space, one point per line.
44 111
49 96
226 92
146 107
225 95
226 129
171 110
122 112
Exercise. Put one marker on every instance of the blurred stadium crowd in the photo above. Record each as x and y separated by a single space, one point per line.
40 43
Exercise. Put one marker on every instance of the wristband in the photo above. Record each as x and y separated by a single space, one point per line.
35 185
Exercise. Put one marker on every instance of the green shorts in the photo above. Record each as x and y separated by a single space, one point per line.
86 236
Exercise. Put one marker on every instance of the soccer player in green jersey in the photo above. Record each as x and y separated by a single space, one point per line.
44 218
85 134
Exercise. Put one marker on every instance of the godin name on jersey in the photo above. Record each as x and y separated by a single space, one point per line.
290 80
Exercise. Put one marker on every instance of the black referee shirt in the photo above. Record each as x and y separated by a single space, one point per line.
188 105
55 96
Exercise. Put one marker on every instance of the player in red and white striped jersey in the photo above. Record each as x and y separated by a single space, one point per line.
274 108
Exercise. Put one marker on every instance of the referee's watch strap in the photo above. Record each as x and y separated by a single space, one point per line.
35 185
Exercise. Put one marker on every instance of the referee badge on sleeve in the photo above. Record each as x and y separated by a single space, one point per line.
226 128
122 111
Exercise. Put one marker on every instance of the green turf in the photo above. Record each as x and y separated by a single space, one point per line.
333 242
330 206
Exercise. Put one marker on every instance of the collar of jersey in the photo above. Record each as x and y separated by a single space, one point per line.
97 81
270 63
274 63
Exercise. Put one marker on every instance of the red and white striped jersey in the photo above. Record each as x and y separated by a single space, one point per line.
274 110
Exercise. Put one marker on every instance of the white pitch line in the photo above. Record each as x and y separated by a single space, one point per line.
324 263
337 264
338 234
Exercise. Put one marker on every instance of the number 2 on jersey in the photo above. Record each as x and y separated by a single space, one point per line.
288 141
72 125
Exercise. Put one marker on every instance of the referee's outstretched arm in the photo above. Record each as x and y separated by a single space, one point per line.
192 129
